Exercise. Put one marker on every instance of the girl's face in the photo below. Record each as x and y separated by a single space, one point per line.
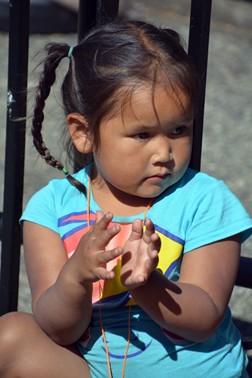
147 147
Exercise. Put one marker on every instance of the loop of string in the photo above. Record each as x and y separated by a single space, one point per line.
110 373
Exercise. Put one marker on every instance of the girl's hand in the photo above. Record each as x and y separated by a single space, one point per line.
90 254
140 256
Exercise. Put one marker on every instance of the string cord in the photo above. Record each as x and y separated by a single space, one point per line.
100 296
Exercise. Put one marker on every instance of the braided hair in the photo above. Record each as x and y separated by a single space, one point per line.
56 52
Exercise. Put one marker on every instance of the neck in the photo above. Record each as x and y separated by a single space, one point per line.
119 203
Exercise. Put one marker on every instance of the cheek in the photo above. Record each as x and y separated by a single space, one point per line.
189 151
121 172
110 166
125 162
186 152
184 149
182 156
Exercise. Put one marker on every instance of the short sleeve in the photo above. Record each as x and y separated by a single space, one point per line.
41 209
216 214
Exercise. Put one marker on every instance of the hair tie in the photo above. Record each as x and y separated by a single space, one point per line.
70 52
65 171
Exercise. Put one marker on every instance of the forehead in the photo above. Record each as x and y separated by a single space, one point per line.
147 102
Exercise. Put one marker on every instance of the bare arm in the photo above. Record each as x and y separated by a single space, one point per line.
61 288
195 306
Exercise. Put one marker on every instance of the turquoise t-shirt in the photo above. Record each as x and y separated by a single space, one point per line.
196 211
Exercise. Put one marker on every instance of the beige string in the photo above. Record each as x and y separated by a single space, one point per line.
100 295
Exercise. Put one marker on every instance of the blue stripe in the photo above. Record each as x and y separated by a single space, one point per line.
62 221
169 235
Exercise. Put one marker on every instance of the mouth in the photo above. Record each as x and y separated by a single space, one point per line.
159 177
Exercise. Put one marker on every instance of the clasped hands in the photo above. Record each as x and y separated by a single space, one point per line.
139 254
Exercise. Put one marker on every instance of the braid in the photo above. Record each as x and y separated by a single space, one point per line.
55 53
77 184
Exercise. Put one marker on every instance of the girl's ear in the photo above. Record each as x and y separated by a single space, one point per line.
79 133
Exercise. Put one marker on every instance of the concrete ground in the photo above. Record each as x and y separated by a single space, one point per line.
228 111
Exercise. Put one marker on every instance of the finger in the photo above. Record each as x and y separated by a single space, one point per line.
149 227
104 237
150 236
104 274
152 263
104 257
101 232
156 241
99 215
136 230
149 231
102 220
153 255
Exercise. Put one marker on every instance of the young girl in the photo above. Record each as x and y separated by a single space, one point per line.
131 260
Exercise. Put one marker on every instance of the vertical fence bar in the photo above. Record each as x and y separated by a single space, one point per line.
198 50
14 154
106 11
86 17
95 13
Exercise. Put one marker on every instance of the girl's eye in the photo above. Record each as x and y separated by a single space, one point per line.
142 136
177 131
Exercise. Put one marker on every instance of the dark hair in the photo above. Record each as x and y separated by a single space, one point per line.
104 68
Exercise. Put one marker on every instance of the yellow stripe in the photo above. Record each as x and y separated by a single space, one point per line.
170 251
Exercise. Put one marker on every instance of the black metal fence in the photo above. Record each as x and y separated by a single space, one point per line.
91 12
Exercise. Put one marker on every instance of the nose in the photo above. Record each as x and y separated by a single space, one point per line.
163 151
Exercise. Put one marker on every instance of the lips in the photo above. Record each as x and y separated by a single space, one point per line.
160 176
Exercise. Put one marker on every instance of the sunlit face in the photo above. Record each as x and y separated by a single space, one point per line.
147 147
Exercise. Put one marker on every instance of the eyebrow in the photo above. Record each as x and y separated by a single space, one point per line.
185 119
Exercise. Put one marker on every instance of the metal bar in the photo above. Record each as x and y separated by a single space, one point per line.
198 51
1 225
244 276
14 154
95 13
106 11
86 17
